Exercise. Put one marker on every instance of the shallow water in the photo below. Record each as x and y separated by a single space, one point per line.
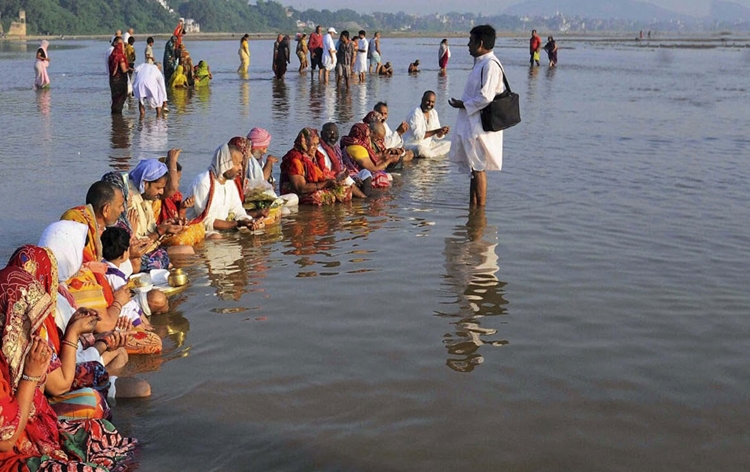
591 319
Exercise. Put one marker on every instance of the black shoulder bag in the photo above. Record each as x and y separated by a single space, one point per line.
502 112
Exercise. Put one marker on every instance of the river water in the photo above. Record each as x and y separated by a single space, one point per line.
594 317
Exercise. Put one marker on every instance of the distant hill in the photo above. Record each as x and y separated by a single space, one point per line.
598 9
728 11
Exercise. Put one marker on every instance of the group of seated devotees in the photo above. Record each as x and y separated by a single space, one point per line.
73 309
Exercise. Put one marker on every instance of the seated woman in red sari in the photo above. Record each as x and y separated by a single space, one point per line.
31 436
79 391
362 161
301 174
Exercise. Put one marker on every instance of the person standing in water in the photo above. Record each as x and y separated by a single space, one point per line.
473 149
244 53
535 42
551 48
444 53
40 66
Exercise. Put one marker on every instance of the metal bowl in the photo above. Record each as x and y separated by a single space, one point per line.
177 278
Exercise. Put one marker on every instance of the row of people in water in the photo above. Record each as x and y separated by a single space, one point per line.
73 313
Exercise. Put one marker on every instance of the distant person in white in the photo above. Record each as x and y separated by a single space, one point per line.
329 53
476 150
149 88
425 136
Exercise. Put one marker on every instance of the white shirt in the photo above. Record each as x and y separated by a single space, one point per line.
473 148
329 59
225 204
419 126
329 163
392 138
254 169
131 310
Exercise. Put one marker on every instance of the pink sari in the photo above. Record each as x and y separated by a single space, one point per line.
40 67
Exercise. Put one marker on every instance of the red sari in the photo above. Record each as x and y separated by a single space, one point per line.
298 162
45 442
87 396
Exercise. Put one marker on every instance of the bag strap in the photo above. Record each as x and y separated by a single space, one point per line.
505 78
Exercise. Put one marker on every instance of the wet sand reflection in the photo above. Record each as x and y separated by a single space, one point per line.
471 266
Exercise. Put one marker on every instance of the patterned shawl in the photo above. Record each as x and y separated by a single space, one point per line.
41 264
117 56
360 134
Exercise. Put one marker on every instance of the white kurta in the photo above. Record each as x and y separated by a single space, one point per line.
225 205
360 65
149 87
254 169
473 148
414 138
392 138
329 59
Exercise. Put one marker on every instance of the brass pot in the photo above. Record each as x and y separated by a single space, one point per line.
177 278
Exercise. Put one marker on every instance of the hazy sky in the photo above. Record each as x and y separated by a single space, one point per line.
690 7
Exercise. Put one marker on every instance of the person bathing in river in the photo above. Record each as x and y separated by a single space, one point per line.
40 66
425 136
301 174
332 158
217 199
551 48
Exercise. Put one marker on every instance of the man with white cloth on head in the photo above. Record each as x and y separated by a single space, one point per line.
149 88
217 199
476 150
425 136
329 53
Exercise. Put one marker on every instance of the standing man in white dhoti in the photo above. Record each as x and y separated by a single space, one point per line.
360 65
329 53
473 149
425 136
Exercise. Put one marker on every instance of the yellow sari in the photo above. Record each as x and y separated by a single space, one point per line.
178 79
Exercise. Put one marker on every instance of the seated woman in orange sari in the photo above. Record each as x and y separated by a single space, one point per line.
31 436
89 288
172 207
301 174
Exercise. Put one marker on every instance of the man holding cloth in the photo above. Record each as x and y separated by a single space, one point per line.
473 149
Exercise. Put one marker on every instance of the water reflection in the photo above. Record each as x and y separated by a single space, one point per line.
550 73
344 112
317 93
120 139
153 138
245 95
204 96
227 270
471 267
172 328
280 100
443 88
180 98
44 106
43 101
316 234
359 97
533 72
